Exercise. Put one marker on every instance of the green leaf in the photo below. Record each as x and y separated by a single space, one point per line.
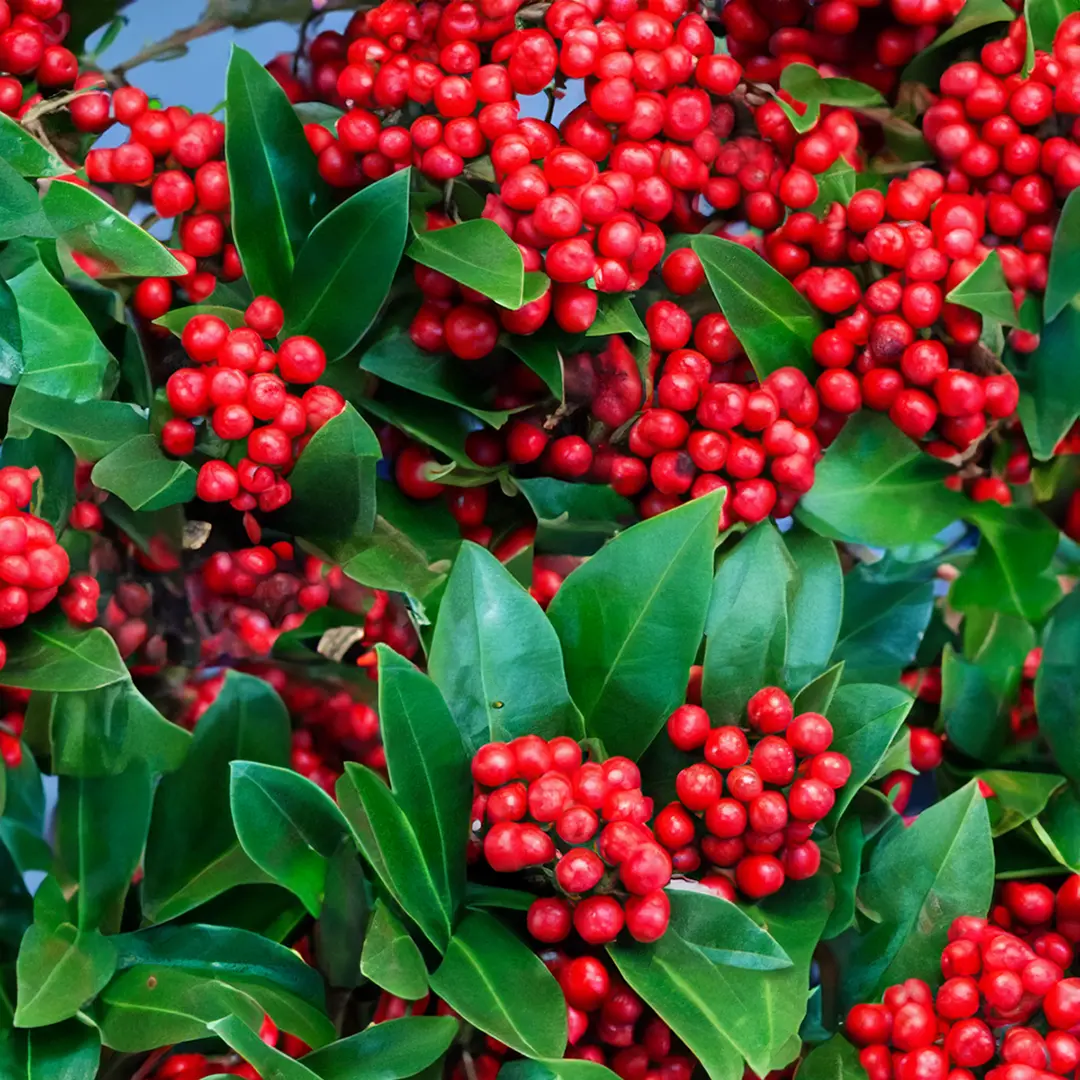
88 224
553 1069
617 315
287 825
815 606
574 519
817 695
1057 687
272 173
1058 827
493 896
482 963
11 358
100 835
344 914
975 15
774 323
496 657
333 482
23 823
804 83
71 1051
920 879
866 718
391 847
139 473
478 254
20 149
1018 796
1043 18
1064 265
875 486
842 856
984 290
344 271
836 184
62 355
193 853
883 624
394 358
1050 384
438 426
58 657
837 1059
746 628
543 353
391 959
91 428
175 320
54 494
20 206
429 770
390 1051
723 931
630 622
272 1064
977 690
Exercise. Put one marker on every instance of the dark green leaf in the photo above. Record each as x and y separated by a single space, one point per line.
340 930
23 823
11 358
20 206
391 959
554 1069
1058 827
388 1051
91 428
616 315
139 473
101 831
747 625
394 358
496 657
287 825
841 855
630 622
439 426
1018 796
1050 385
920 879
390 845
542 352
333 483
1064 269
20 149
178 318
836 184
492 896
984 290
59 657
804 83
815 605
193 853
773 322
344 271
478 254
816 695
838 1059
875 486
483 961
272 1064
975 15
91 226
54 494
272 174
1057 687
71 1051
723 931
574 519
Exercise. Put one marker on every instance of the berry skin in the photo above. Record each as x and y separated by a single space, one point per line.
301 360
769 711
688 727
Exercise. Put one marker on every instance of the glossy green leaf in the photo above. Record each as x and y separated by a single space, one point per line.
984 290
22 825
837 1059
747 625
617 315
391 847
574 519
20 149
493 896
630 622
344 271
91 428
272 174
394 358
1043 19
69 1051
1057 687
429 769
865 718
193 853
287 825
841 856
89 225
1018 796
815 606
836 184
1064 267
883 624
20 206
178 318
723 931
478 254
554 1069
333 483
139 473
391 958
975 16
977 690
272 1064
340 929
804 83
483 962
62 355
496 657
1058 827
440 426
920 879
543 353
11 358
773 322
54 494
875 486
101 829
390 1051
817 695
1050 384
55 656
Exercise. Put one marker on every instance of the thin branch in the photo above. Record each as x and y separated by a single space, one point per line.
176 41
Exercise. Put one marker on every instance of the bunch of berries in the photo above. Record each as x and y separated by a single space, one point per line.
242 381
31 32
610 1025
1006 1004
781 779
538 804
194 1066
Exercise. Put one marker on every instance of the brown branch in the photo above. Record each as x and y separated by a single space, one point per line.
176 41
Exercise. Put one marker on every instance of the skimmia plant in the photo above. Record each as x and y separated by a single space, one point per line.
537 542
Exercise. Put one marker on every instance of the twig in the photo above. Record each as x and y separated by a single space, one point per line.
147 1067
179 40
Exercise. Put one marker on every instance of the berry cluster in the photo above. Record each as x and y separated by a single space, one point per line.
31 32
538 804
778 787
1006 1004
241 380
195 1066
